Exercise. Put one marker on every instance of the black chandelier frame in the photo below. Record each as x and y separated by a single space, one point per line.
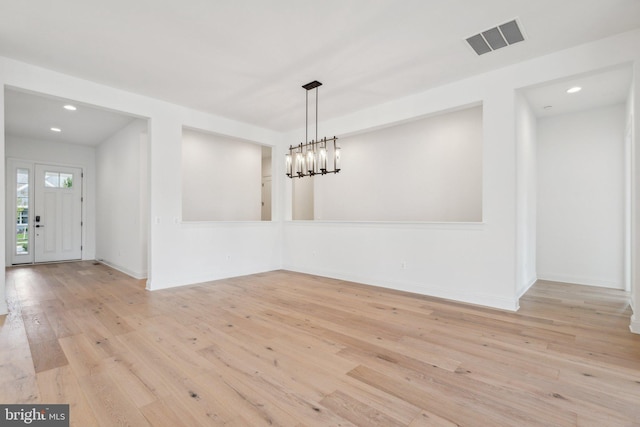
313 157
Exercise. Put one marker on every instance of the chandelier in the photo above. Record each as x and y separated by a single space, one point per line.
315 157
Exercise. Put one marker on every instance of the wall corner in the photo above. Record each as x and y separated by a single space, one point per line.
634 326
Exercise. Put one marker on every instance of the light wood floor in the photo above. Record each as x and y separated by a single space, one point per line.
289 349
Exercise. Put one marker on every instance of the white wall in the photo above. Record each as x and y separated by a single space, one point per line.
429 169
221 178
471 262
49 152
633 119
3 238
526 125
303 197
121 196
481 263
581 197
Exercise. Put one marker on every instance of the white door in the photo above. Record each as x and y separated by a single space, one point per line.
57 213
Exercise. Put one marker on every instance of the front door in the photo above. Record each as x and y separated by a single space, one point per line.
57 213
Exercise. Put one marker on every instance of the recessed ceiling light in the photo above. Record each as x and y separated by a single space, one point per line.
70 107
56 130
574 89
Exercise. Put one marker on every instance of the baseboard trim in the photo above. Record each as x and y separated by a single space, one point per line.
156 285
135 274
588 281
475 298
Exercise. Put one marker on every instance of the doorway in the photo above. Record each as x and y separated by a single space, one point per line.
580 181
581 197
45 210
107 150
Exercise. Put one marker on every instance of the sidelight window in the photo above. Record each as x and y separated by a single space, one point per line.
22 211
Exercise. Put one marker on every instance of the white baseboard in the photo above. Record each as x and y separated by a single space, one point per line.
135 274
588 281
476 298
155 285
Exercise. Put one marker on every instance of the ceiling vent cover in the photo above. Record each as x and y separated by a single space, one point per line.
496 38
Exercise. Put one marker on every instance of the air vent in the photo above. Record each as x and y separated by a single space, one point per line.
496 38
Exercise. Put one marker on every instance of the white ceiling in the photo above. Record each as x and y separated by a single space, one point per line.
29 115
608 87
246 59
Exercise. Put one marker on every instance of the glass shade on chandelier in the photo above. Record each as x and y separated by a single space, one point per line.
315 157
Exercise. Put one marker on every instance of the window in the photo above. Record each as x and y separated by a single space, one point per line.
22 211
58 180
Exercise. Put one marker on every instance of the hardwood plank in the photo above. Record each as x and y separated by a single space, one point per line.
96 333
427 419
37 327
132 385
271 384
23 389
62 324
430 400
458 388
82 357
47 355
143 375
14 344
167 413
394 407
115 324
109 404
356 411
182 379
60 385
43 344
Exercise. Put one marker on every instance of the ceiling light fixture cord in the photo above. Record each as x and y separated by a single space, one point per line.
306 116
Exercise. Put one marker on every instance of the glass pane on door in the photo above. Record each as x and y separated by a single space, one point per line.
58 180
66 180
